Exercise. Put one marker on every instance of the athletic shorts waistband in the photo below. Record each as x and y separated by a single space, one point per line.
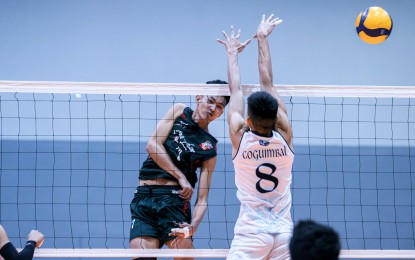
158 190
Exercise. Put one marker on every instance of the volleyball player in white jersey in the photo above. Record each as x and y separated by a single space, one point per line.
262 157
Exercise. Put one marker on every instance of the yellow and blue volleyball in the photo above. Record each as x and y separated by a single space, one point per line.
374 25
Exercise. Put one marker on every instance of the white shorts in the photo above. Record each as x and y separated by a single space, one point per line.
260 246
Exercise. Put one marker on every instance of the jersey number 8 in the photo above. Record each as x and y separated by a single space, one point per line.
266 177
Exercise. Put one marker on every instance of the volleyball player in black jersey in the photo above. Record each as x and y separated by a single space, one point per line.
9 252
180 144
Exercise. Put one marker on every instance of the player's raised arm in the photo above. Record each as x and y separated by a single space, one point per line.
265 28
157 151
236 104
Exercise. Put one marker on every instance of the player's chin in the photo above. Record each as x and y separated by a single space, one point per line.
211 117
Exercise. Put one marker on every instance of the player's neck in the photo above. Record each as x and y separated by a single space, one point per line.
202 123
269 134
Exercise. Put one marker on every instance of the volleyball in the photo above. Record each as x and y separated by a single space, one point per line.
374 25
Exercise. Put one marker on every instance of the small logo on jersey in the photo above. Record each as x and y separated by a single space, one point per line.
206 145
263 142
183 123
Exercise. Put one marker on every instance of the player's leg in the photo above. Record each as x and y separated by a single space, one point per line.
251 246
175 210
145 243
144 231
281 250
185 243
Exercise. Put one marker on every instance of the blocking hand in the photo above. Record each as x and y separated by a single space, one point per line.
267 25
232 43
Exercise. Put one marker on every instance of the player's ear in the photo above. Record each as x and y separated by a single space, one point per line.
198 97
249 121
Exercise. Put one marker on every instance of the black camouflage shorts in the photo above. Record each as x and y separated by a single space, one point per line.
155 210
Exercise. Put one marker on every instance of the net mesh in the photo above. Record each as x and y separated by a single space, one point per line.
71 152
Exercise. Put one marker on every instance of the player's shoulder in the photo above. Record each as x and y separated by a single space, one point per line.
179 106
286 134
178 109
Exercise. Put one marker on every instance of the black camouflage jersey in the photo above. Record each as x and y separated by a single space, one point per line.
188 146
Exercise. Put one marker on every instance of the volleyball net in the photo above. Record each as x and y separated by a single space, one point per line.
71 154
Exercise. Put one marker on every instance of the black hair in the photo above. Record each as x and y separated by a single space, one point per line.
314 241
263 110
218 81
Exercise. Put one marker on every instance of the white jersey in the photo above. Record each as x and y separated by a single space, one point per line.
263 177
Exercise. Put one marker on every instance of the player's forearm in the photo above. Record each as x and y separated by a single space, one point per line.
264 63
199 211
234 77
265 70
8 251
159 154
